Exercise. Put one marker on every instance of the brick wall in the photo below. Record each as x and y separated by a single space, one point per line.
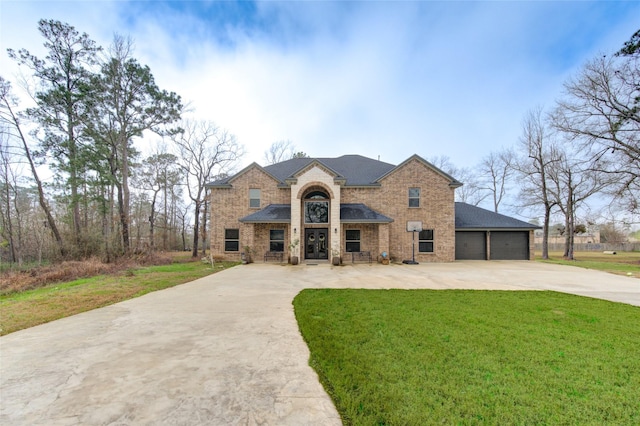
436 209
230 204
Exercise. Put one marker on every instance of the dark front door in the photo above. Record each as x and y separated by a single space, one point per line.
316 243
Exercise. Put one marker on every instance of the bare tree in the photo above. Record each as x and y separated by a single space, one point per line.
538 156
281 151
8 194
496 169
158 170
470 192
572 181
204 150
9 118
600 114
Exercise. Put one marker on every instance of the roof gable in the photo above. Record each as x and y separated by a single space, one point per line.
415 157
227 182
356 170
314 163
351 170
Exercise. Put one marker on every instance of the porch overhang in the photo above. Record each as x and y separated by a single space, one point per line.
361 213
273 213
349 213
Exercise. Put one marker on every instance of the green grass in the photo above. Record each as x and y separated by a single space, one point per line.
28 308
622 263
419 357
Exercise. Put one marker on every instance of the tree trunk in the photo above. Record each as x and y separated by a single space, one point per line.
203 228
124 220
152 221
569 222
9 222
41 198
545 231
166 221
73 177
196 229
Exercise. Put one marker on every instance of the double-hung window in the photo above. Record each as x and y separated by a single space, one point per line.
425 241
276 240
352 238
254 198
414 197
231 240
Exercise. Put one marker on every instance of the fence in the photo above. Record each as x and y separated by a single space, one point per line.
593 247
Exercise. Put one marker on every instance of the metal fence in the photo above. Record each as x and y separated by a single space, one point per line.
593 247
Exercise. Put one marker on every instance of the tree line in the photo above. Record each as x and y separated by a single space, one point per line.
89 105
587 145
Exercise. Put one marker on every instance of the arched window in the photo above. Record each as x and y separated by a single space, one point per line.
316 195
315 209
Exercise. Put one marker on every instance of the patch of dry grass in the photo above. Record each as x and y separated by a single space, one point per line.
27 308
18 281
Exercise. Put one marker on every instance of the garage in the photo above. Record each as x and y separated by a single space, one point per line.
471 245
482 234
509 245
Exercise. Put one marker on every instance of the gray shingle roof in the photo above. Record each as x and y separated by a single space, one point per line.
273 213
360 213
352 213
467 217
358 170
472 217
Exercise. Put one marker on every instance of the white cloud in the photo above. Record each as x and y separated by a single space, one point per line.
388 79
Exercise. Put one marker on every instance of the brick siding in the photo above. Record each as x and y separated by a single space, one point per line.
436 212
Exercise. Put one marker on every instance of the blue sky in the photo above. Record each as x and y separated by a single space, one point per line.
386 79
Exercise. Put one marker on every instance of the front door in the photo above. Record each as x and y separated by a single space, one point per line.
316 243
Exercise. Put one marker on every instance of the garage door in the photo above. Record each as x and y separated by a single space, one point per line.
512 245
471 246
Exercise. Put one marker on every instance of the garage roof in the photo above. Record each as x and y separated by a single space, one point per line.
470 217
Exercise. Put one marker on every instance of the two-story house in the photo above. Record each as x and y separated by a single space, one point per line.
319 208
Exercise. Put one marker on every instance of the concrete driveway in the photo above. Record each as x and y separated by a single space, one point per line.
224 349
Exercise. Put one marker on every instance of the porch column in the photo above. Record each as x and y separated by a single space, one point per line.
296 229
383 239
247 237
335 228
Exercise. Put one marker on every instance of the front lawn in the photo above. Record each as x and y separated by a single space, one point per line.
417 357
622 263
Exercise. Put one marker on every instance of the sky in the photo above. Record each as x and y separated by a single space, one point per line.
384 79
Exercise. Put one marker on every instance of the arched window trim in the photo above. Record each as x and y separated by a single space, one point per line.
316 195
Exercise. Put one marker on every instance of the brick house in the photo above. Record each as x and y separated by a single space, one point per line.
354 207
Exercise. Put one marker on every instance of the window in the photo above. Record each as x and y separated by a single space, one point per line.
353 240
231 240
276 240
414 197
425 241
316 212
254 198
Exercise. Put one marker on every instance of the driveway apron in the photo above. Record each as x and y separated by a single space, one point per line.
224 349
